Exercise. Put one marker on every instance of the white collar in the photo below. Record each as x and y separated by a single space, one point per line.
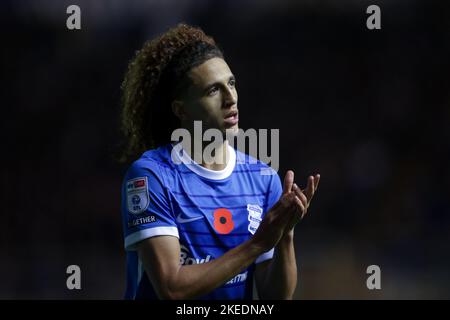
183 156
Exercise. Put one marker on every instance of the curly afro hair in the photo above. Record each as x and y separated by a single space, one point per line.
155 76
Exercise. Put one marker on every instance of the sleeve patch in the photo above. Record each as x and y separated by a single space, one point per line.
137 195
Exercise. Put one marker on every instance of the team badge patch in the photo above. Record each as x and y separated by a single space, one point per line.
254 217
137 195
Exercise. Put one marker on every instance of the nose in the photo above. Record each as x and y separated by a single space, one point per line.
229 97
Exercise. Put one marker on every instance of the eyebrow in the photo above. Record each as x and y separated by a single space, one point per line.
232 77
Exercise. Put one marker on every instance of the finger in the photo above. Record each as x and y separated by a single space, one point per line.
309 191
301 207
288 181
291 206
316 181
300 194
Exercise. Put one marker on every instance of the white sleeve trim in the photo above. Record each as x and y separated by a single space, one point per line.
140 235
265 256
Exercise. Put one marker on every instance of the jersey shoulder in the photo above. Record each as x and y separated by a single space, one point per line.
249 163
153 162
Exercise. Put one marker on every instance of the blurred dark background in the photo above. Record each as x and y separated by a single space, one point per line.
368 109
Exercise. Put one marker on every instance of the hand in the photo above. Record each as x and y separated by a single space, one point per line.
287 212
301 197
273 226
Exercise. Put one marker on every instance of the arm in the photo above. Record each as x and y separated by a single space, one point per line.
277 278
161 258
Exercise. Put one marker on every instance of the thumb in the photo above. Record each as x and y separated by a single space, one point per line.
288 181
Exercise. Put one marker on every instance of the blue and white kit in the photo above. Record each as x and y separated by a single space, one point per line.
210 212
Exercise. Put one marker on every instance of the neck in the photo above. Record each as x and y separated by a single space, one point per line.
214 159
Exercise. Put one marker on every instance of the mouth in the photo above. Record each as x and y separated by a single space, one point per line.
231 118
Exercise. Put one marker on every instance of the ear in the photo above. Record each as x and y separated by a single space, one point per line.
178 109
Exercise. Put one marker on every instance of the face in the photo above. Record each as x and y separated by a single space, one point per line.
211 97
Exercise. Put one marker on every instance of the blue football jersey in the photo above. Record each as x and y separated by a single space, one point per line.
165 193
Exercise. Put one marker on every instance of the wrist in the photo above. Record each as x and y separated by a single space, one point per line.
288 237
255 247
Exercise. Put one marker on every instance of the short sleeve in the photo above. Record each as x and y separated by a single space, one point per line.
146 208
273 195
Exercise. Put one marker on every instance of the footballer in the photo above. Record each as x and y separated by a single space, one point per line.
200 230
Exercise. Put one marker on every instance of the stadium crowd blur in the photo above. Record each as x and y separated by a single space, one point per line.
368 109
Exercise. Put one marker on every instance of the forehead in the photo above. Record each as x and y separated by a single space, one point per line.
209 72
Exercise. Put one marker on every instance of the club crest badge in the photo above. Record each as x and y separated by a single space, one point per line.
137 195
254 217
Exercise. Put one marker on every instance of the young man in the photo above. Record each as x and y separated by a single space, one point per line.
202 230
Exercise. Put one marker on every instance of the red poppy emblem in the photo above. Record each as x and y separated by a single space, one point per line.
223 221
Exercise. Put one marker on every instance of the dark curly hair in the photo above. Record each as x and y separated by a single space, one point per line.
155 77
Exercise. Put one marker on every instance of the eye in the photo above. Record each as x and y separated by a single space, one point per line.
232 82
213 91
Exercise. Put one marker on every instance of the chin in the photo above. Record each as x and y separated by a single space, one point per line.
232 131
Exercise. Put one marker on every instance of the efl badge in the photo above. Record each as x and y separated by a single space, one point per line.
254 217
137 195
